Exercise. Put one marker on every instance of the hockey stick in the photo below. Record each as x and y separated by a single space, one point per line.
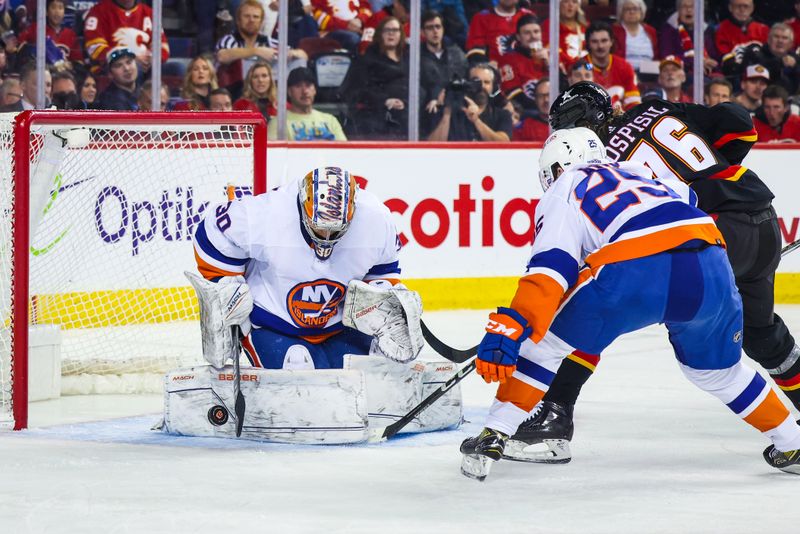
381 434
784 251
239 403
444 350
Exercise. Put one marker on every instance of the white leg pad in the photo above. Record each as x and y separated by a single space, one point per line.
393 389
286 406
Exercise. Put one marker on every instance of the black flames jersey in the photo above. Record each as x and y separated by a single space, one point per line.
696 144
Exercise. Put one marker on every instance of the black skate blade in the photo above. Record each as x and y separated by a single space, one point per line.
476 466
793 469
548 451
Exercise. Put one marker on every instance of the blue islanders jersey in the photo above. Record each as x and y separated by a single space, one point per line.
295 293
599 214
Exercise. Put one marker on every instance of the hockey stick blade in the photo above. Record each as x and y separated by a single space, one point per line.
444 350
381 434
784 251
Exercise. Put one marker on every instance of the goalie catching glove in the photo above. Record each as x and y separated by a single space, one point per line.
225 308
390 315
499 349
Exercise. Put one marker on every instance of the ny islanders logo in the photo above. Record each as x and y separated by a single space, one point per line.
312 304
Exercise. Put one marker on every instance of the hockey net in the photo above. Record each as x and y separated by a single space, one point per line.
98 211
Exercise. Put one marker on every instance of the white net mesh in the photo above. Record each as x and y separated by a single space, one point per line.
112 218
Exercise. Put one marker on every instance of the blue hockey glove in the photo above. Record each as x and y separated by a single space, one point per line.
499 348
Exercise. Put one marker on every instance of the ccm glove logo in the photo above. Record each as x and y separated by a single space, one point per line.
499 328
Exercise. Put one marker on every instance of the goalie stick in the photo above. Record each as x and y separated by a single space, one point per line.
239 403
381 434
444 350
454 355
784 251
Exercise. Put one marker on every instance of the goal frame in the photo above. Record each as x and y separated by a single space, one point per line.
23 124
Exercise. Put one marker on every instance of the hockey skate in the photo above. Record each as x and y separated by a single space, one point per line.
543 438
788 461
481 452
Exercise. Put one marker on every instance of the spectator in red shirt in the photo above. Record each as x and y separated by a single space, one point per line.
633 39
260 92
774 121
220 100
739 27
489 31
716 91
343 20
534 125
671 78
572 30
121 24
399 9
525 64
199 81
65 40
611 72
754 81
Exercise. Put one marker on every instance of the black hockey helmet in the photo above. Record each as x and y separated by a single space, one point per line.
582 104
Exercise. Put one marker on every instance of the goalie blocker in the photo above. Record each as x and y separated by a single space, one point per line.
335 406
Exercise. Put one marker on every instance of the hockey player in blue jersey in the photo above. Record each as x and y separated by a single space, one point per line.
616 251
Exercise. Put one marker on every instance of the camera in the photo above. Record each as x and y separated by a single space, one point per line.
458 88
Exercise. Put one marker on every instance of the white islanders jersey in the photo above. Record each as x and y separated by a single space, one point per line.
294 292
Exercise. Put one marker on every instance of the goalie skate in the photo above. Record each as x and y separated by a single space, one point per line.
481 452
544 438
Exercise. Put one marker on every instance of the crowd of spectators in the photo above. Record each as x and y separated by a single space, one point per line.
484 66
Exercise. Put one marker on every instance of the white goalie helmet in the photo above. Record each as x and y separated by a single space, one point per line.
565 148
327 198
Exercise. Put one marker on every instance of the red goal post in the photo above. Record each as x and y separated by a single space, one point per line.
69 180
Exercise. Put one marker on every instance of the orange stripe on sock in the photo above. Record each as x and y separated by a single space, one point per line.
769 414
519 394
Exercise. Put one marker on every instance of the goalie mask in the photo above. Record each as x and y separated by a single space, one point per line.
565 148
327 198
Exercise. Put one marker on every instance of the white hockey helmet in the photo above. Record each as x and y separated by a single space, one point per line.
327 198
565 148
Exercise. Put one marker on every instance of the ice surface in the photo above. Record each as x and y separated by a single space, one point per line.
651 454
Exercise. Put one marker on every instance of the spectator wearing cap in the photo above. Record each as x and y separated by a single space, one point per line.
717 91
739 27
237 52
774 121
671 78
123 91
115 24
260 92
534 125
62 45
611 71
754 81
676 38
303 122
633 39
524 64
580 71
